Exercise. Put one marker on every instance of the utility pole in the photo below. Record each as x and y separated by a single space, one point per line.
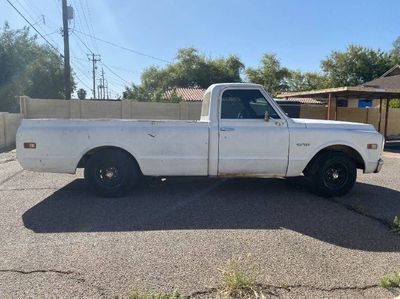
100 89
94 58
66 14
108 96
102 84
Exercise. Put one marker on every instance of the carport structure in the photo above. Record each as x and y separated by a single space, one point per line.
331 95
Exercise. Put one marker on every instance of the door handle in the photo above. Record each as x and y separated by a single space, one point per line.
225 129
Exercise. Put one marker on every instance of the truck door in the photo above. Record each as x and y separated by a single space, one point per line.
248 144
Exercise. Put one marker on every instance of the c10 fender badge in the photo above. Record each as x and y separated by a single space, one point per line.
302 144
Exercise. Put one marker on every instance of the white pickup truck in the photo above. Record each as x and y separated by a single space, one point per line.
242 132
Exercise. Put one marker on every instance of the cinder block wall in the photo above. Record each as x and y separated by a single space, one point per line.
41 108
361 115
9 123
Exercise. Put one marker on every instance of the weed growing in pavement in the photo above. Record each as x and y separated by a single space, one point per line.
396 225
390 281
239 280
135 294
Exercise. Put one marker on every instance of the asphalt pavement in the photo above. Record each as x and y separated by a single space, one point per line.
60 241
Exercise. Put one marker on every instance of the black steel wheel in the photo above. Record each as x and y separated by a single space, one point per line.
332 174
111 173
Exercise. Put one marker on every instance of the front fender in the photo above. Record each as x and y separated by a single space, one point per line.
301 154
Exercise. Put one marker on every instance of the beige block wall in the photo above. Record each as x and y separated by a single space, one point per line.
393 122
2 131
351 114
361 115
9 123
99 109
39 108
194 110
12 120
143 110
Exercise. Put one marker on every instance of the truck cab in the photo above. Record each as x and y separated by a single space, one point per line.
248 131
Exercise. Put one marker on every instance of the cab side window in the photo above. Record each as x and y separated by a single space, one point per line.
245 104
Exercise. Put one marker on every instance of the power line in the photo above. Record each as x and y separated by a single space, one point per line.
79 22
59 9
106 66
46 18
94 60
114 72
36 20
88 21
34 28
51 33
122 68
83 43
112 66
78 45
116 82
125 48
79 79
83 72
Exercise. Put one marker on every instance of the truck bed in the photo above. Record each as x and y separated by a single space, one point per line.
161 147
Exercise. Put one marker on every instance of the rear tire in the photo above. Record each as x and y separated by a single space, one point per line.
332 174
111 173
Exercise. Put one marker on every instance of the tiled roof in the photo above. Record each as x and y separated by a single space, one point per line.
187 94
196 95
301 100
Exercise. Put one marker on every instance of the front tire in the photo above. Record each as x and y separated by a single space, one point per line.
111 173
332 174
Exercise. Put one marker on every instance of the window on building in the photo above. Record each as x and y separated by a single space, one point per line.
342 103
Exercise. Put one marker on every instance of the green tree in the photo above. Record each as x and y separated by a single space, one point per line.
298 81
355 66
191 69
27 68
270 74
81 94
141 94
395 103
395 52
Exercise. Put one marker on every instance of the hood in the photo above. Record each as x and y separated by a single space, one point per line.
333 124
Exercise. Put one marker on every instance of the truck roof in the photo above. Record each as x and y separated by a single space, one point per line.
235 84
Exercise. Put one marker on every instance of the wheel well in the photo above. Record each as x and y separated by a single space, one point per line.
347 150
86 157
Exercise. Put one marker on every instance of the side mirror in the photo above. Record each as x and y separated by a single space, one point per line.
267 116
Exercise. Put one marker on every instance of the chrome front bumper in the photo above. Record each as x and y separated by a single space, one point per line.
379 166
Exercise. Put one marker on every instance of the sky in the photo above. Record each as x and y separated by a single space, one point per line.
301 33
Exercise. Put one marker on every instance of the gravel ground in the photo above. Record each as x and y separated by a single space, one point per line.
57 240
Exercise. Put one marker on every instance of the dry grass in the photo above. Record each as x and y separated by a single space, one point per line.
135 294
239 280
391 281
